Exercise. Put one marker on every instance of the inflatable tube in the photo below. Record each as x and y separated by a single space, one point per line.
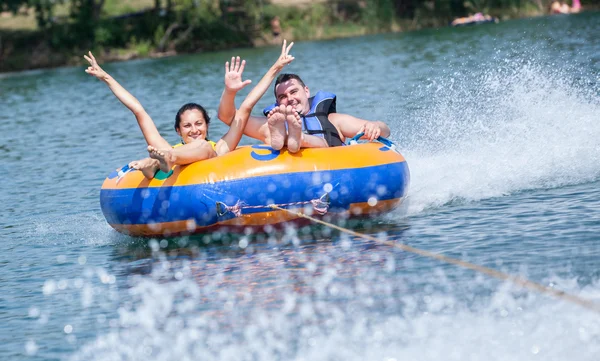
236 190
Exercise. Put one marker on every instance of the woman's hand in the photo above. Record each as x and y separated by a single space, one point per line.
284 58
94 69
233 75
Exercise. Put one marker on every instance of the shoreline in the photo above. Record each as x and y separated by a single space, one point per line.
42 57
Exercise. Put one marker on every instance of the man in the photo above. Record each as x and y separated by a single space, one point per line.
297 119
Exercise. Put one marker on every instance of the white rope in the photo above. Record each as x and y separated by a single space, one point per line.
523 282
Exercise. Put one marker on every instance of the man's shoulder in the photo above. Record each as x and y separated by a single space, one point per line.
339 117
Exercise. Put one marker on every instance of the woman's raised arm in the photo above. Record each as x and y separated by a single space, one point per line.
231 139
145 123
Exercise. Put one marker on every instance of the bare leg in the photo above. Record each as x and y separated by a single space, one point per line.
147 166
294 123
276 121
164 157
185 154
312 141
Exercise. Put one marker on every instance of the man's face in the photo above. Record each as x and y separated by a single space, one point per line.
293 93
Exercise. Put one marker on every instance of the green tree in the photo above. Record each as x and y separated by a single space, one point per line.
85 15
12 5
86 10
44 9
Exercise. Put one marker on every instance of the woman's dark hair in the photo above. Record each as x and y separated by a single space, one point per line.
191 106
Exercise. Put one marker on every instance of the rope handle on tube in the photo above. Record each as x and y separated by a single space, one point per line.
124 170
380 139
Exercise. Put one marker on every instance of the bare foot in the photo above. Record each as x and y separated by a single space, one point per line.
276 121
164 157
147 166
294 123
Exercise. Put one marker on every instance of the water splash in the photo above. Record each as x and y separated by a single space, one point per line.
86 229
511 128
332 319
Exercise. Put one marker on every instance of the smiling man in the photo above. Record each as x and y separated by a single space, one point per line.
299 120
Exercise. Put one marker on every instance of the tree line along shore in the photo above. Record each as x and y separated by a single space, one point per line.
50 33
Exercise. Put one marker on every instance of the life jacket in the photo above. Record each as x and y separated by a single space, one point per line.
316 122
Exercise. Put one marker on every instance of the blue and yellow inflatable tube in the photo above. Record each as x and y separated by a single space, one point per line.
237 190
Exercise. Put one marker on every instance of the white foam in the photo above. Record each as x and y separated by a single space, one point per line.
513 128
170 322
86 228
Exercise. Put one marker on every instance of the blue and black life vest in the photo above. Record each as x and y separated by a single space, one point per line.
316 122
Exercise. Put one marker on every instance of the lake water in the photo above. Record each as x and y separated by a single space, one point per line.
500 128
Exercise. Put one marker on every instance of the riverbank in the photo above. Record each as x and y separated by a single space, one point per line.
151 33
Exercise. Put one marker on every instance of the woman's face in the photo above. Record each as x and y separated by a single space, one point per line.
192 126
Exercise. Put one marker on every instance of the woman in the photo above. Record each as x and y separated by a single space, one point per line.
191 121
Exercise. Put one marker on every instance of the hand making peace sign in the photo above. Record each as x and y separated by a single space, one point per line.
94 69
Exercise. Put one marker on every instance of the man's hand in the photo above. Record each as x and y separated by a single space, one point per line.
233 75
372 130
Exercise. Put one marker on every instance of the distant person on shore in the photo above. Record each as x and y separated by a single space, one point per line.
473 19
559 7
576 6
275 28
299 120
191 121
